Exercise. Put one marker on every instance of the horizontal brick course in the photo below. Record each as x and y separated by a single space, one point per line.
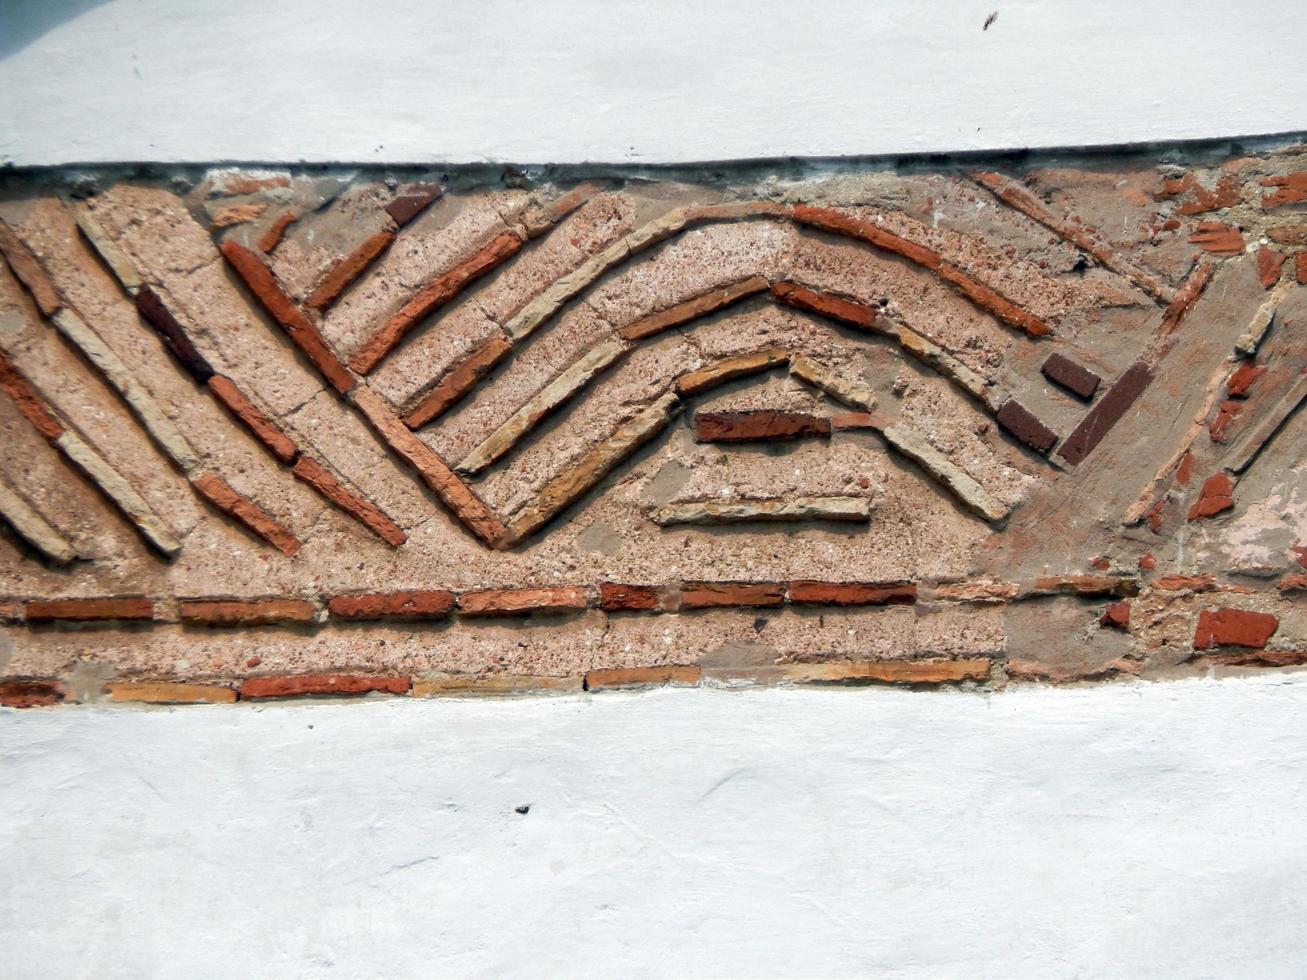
710 595
852 593
20 693
431 603
676 676
889 672
246 612
300 685
163 692
614 597
516 602
89 610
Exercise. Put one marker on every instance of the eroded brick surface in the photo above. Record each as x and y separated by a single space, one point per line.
326 432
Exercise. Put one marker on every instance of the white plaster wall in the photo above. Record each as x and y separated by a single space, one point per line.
1117 831
633 80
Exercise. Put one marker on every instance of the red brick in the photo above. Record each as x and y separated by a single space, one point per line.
11 612
459 380
223 496
298 685
259 425
250 266
692 309
88 610
1269 264
753 426
1116 616
392 605
433 296
1186 296
1147 563
1106 413
317 476
1233 628
1242 379
1288 234
1219 425
1025 428
1154 516
1295 582
1218 238
1258 658
1300 268
1290 189
1299 550
708 595
1217 495
1185 471
245 612
1185 583
642 677
852 593
614 597
28 401
842 421
348 269
23 264
832 307
406 207
1198 199
30 693
517 602
238 184
272 237
159 318
1073 377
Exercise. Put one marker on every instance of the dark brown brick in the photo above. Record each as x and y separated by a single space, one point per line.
1098 422
160 319
1025 428
754 426
20 693
406 207
1073 377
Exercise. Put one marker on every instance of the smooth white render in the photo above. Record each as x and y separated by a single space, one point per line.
1144 830
635 81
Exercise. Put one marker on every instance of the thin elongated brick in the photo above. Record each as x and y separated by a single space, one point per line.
435 473
692 309
961 484
223 496
23 264
565 488
983 296
752 426
888 672
272 237
428 604
852 593
348 269
34 528
729 369
1086 585
300 685
617 677
114 257
712 595
458 381
27 693
615 597
29 403
303 334
1186 297
161 321
433 296
1075 378
163 692
246 612
89 610
253 418
369 515
832 307
542 404
855 394
1106 413
727 511
1251 444
517 602
492 685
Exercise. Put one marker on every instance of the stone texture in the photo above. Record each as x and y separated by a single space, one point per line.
744 511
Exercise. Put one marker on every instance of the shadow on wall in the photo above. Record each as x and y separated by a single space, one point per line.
24 21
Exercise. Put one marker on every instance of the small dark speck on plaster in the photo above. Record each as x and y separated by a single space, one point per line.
524 809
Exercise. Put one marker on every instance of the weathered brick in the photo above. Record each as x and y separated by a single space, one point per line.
1237 385
1288 234
303 334
1257 658
19 693
272 237
1075 378
517 602
223 496
825 304
692 309
408 206
1186 296
1024 427
729 369
1294 582
1085 585
426 604
977 591
614 597
246 612
758 425
249 414
238 214
24 266
1185 583
1217 495
349 268
164 692
1269 264
492 685
458 381
852 593
889 672
28 401
370 516
1300 268
1289 189
708 595
676 676
299 685
1218 238
1116 616
1226 414
1234 628
89 610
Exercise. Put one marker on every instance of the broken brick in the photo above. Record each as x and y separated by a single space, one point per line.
1218 238
18 693
1234 628
677 676
1226 414
1290 189
1269 264
1242 379
1217 495
406 207
614 597
1116 616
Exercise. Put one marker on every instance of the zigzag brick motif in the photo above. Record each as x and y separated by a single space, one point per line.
270 435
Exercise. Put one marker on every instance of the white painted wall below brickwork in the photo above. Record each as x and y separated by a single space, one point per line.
1118 831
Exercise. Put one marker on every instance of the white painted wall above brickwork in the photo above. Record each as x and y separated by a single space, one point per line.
631 80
